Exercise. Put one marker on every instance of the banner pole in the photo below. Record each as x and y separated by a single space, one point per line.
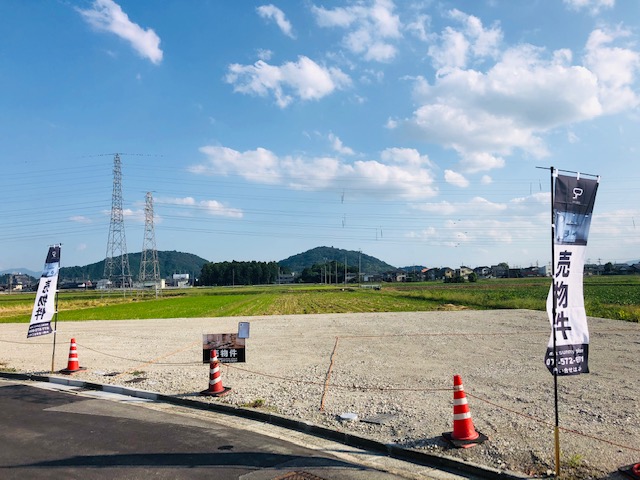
55 321
553 314
55 327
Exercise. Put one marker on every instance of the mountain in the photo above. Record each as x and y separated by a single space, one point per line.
178 262
24 271
321 255
170 262
413 268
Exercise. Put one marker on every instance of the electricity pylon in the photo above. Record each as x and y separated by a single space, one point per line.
116 263
149 265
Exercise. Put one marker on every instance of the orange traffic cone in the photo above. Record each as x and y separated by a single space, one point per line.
73 365
464 434
215 380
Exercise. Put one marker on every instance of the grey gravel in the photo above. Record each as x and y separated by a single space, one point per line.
395 366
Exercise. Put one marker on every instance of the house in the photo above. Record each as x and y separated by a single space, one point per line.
286 278
482 272
499 271
446 272
530 272
463 272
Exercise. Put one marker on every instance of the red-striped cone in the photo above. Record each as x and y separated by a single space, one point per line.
215 380
73 365
464 434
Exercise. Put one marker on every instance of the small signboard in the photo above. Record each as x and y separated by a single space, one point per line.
229 347
243 329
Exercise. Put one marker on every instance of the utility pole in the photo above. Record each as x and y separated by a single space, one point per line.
149 264
116 264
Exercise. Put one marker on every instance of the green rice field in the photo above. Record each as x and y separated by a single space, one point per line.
615 297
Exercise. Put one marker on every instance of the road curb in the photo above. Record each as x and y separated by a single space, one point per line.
392 450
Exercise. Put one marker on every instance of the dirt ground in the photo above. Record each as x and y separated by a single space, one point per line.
393 370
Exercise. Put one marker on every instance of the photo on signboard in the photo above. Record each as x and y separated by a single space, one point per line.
228 346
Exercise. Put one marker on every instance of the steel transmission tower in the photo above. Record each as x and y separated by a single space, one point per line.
149 265
116 264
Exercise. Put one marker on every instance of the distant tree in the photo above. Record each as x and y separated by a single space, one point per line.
473 278
239 273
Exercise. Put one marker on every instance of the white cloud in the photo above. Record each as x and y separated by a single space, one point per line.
456 179
304 79
338 146
480 161
484 115
271 12
407 156
419 27
451 52
477 205
373 26
398 173
106 15
264 54
616 69
212 207
80 219
456 47
440 208
593 6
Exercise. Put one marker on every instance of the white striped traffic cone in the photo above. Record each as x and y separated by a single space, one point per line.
464 434
73 365
215 379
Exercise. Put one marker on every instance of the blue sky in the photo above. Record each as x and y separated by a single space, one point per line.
408 130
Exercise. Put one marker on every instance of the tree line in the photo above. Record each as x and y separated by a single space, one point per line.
239 273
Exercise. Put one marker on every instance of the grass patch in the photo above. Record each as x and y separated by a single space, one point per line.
607 297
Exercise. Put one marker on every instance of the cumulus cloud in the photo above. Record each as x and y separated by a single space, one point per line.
212 207
455 178
304 80
398 173
338 146
371 28
477 205
523 92
108 16
615 67
80 219
593 6
271 12
456 47
480 222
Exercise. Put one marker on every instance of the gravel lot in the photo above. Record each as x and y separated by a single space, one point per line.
394 370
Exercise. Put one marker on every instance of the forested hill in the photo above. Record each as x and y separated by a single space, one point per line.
322 255
178 262
170 262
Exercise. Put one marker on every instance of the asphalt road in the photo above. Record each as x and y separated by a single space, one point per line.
48 433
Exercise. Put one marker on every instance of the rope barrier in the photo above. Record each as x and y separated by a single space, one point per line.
326 381
551 425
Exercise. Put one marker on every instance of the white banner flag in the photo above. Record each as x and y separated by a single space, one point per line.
572 209
45 304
